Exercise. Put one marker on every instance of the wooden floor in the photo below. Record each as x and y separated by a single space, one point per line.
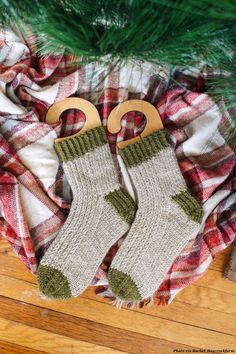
202 316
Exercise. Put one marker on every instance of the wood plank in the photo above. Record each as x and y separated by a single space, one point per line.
12 266
83 329
42 340
210 308
194 303
214 280
220 260
178 311
10 348
6 249
123 319
208 298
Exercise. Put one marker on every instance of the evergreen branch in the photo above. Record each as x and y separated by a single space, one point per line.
174 33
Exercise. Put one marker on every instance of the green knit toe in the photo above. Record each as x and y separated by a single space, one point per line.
52 283
123 286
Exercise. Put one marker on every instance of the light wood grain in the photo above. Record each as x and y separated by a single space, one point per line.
221 260
104 313
92 118
214 280
52 343
11 348
202 316
81 329
153 119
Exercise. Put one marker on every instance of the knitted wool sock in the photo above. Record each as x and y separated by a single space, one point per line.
168 217
100 214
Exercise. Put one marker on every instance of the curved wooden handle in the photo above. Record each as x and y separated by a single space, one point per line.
90 111
153 124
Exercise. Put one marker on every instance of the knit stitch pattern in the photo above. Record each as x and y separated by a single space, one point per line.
96 219
168 217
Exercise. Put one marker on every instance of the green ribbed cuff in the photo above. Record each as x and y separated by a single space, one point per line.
75 147
146 148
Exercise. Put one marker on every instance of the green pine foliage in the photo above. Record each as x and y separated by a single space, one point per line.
176 33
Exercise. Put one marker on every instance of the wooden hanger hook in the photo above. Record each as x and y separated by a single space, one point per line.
153 124
92 119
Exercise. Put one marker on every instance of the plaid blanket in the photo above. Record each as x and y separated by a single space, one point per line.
34 194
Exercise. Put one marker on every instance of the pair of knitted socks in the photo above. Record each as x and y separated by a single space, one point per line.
166 218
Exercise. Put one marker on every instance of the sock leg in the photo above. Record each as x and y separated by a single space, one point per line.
168 217
100 214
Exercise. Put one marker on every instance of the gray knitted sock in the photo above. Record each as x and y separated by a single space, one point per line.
100 214
168 217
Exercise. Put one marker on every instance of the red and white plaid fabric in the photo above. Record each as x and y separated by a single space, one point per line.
34 194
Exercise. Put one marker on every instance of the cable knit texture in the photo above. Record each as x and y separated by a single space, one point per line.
168 217
100 214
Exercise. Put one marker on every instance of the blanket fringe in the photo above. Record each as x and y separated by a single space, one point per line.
106 293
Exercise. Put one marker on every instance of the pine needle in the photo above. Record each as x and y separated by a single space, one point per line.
174 33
